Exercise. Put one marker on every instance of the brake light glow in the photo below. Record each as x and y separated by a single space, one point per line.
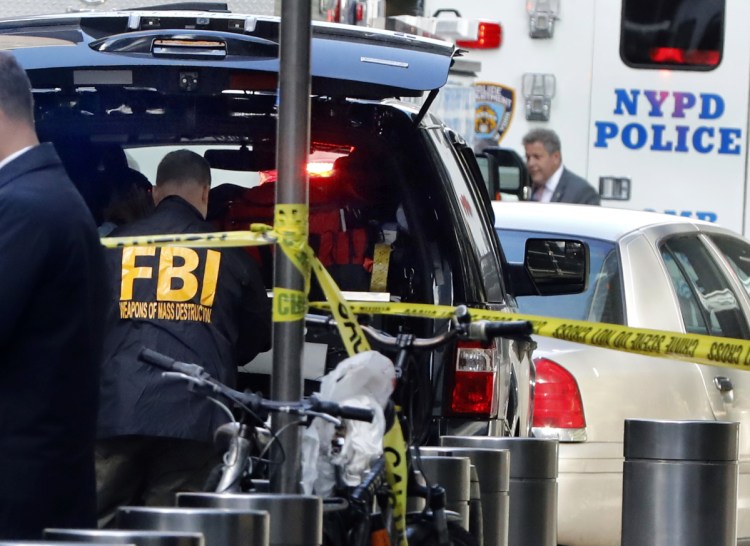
676 55
320 168
489 36
474 380
557 400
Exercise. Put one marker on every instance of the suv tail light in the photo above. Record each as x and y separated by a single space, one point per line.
558 408
474 380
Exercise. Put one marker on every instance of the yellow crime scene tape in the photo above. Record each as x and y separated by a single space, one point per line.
697 348
289 235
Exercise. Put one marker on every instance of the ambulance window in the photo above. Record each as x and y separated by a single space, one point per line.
676 34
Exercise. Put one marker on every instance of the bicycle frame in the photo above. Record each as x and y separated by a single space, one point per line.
236 461
399 464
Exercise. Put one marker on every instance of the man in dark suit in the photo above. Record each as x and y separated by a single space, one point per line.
551 181
51 268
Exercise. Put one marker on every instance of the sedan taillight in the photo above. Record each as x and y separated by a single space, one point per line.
474 377
557 402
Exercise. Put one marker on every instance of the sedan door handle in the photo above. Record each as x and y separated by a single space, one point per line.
724 384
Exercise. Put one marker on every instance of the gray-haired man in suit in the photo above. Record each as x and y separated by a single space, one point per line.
552 182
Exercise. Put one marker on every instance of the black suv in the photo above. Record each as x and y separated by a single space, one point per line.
115 90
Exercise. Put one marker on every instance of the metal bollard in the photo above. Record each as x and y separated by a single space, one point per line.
119 536
220 527
304 529
454 474
533 486
493 469
680 483
475 506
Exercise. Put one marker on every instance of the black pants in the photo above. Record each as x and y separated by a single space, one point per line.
38 493
147 471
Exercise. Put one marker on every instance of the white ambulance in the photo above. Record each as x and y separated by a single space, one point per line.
649 97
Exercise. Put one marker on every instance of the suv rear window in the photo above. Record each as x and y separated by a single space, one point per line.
676 34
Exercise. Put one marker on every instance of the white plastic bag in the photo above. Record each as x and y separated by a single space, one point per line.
364 380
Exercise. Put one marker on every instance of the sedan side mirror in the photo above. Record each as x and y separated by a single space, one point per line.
556 266
551 267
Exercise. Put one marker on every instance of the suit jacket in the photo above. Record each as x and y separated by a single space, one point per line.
573 189
51 271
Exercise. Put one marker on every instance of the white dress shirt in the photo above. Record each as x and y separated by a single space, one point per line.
14 155
549 187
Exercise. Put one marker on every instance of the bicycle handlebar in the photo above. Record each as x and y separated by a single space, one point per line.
488 329
169 364
255 402
464 328
417 342
337 410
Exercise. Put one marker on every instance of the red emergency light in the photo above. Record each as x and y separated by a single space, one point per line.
334 15
489 36
676 55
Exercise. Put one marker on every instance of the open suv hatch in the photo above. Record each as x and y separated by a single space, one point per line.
116 90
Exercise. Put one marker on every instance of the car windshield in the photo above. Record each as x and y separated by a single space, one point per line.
602 301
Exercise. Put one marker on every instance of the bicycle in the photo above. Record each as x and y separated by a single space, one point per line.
237 439
358 523
432 526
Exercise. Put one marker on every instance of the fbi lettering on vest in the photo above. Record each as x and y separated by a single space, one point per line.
171 282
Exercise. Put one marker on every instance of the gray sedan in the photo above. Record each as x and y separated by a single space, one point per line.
646 270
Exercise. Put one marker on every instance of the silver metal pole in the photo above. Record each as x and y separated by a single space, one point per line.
292 145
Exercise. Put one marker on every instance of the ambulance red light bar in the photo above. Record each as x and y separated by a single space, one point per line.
675 55
489 36
350 12
333 15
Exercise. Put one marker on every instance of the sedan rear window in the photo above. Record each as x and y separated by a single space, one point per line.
737 254
602 301
707 302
